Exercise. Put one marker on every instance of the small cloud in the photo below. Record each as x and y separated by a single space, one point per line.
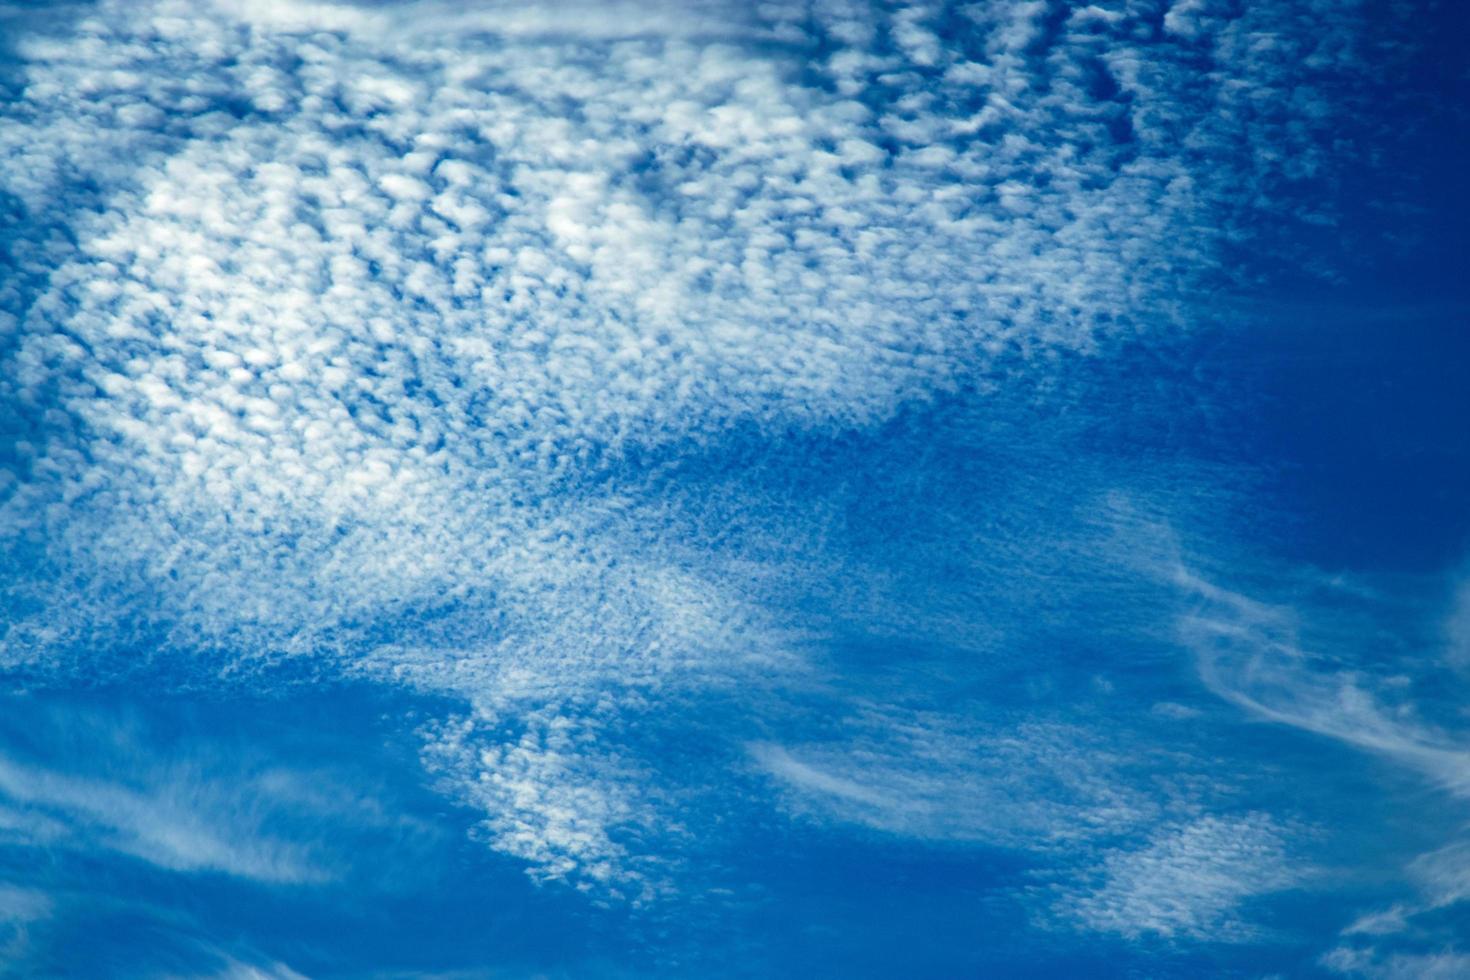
1457 628
22 904
1187 881
19 908
1384 922
1448 964
1173 711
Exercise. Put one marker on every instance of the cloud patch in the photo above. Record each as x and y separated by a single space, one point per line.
1186 882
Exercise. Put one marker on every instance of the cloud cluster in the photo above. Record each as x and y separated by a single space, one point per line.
555 797
1186 881
376 334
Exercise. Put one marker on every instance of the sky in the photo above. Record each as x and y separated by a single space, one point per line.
703 489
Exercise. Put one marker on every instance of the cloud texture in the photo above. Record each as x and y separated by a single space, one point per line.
375 341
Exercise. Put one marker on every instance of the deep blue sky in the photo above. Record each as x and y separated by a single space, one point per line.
676 489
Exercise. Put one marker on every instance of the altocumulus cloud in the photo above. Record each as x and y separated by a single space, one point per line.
342 336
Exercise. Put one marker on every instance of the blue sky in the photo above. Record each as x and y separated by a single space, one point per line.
702 489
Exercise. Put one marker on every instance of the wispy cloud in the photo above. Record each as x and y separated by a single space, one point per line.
182 824
1035 786
103 782
19 909
1248 653
1254 655
1444 965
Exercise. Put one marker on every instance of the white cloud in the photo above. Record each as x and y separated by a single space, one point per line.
1188 881
337 327
926 775
1443 965
556 797
98 781
1254 655
1248 653
177 826
574 20
236 970
22 904
19 909
1457 627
